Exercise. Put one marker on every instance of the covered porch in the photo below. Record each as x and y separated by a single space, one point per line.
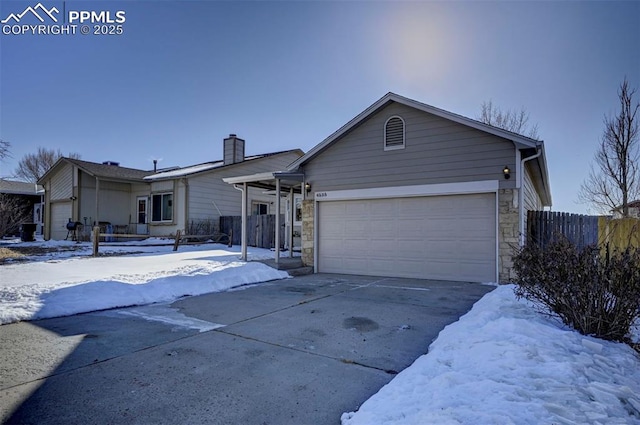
279 183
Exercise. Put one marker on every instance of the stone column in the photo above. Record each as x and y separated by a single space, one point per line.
307 232
508 233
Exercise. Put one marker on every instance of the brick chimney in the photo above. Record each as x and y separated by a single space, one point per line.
233 150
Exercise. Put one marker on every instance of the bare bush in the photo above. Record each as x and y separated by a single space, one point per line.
205 227
596 295
13 211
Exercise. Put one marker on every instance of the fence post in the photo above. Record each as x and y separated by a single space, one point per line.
96 238
177 241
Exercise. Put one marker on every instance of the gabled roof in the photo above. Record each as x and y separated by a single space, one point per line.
118 173
20 188
520 141
209 166
103 171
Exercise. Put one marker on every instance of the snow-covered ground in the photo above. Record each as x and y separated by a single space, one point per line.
70 282
501 363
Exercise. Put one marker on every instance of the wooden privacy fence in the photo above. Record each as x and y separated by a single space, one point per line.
543 227
618 234
260 230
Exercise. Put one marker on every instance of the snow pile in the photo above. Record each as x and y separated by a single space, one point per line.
62 287
503 363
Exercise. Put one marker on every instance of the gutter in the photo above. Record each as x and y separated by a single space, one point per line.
521 189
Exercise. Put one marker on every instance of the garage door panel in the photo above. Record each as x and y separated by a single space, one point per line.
355 208
60 214
442 237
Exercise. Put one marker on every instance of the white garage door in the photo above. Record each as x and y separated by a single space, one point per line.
436 237
60 214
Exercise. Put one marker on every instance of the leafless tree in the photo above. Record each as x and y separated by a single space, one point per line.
510 120
4 149
32 166
13 211
613 181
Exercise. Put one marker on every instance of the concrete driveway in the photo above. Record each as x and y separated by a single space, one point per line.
296 351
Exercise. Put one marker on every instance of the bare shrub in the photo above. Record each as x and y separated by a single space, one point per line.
596 295
201 230
13 212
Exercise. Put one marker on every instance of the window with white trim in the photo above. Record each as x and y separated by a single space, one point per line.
259 208
162 207
394 133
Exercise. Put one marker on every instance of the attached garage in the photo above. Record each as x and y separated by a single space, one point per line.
60 214
405 189
450 237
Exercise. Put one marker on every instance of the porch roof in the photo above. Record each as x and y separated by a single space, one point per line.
278 181
288 180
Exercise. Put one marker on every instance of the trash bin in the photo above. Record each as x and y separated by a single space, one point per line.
28 232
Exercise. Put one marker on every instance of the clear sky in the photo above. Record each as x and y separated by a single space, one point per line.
284 75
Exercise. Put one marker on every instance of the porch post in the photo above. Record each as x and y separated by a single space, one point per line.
277 220
292 214
243 255
97 221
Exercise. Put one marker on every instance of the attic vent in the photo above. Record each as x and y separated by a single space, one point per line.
394 133
114 163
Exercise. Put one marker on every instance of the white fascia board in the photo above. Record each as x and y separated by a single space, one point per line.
484 186
250 178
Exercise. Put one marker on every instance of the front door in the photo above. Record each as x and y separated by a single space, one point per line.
142 216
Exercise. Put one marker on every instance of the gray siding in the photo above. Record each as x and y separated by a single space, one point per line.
207 188
530 196
531 199
114 201
62 183
437 151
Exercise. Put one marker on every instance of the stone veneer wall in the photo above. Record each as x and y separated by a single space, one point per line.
508 233
307 232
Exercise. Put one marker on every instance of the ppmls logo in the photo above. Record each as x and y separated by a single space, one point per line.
51 22
34 11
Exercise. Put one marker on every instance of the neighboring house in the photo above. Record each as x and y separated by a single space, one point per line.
634 210
155 203
409 190
200 194
30 195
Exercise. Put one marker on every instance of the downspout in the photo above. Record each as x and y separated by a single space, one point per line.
521 190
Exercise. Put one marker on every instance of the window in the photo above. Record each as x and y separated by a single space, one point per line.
260 208
162 207
394 133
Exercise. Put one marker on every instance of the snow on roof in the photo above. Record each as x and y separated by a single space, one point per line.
179 172
20 188
192 169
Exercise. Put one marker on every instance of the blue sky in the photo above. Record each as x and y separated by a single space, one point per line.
284 75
